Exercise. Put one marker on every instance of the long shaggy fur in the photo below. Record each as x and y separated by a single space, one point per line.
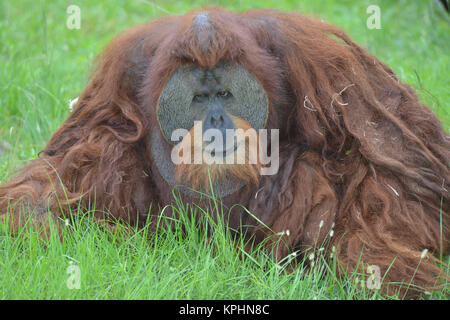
360 155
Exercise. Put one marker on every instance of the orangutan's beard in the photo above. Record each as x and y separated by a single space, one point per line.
238 163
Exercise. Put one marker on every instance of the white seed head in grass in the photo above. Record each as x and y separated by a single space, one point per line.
291 256
284 232
72 103
424 253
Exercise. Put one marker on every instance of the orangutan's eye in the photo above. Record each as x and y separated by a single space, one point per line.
200 98
224 94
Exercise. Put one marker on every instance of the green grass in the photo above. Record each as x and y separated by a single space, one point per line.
43 65
187 258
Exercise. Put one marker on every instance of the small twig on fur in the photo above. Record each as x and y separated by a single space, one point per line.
392 188
72 103
310 103
339 94
256 194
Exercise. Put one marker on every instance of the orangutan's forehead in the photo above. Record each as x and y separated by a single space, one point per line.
208 76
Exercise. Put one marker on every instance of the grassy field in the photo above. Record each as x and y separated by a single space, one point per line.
44 64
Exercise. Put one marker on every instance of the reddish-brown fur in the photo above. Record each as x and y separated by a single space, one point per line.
198 176
358 150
